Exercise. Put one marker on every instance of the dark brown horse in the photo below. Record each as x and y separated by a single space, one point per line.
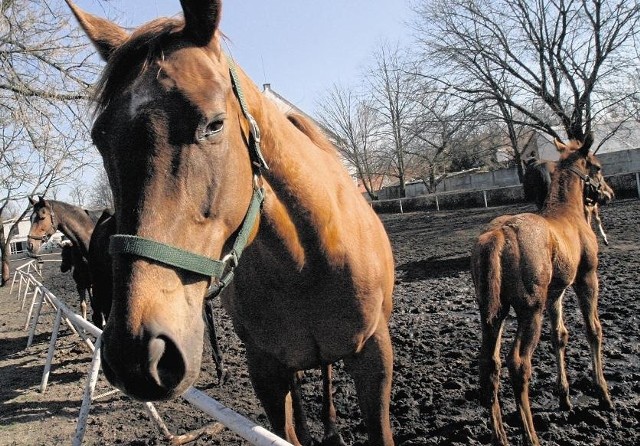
49 216
77 224
73 261
200 162
527 261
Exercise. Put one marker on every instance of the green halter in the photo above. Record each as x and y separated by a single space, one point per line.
188 261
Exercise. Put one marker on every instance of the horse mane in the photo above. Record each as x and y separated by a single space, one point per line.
133 57
307 127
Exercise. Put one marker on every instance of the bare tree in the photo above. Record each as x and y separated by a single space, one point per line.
511 53
394 89
45 75
446 129
100 195
355 126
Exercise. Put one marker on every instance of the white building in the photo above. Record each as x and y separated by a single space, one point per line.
19 235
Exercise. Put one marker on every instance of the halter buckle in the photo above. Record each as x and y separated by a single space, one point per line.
231 259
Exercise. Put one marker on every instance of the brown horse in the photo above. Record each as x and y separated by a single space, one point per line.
537 182
73 261
201 162
527 261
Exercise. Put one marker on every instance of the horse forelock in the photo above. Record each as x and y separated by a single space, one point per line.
133 58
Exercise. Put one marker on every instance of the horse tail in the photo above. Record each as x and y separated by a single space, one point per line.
486 271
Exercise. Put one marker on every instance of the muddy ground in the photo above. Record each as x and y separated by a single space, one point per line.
435 335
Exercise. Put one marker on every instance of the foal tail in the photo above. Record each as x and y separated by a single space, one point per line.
486 271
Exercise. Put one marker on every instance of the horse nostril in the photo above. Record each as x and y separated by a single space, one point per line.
166 363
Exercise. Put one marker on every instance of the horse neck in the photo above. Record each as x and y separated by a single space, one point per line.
73 222
565 195
307 180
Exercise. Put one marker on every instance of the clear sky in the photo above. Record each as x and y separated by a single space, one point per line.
300 47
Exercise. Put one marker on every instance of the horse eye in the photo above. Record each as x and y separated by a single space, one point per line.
213 127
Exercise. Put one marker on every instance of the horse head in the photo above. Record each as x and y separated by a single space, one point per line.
43 224
175 142
576 157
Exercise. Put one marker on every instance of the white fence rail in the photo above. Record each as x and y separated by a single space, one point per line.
27 283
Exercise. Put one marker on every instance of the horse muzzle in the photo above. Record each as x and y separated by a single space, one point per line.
155 365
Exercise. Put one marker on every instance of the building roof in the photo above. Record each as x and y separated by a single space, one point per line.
626 137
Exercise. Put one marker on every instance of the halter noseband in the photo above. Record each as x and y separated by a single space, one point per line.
196 263
591 188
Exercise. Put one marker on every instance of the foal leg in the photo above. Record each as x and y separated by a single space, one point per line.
559 339
331 435
490 364
519 363
586 288
372 370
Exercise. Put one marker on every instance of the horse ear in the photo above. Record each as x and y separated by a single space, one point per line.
201 18
32 201
559 145
41 199
586 145
105 35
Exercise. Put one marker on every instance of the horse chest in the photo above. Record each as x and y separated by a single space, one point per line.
301 330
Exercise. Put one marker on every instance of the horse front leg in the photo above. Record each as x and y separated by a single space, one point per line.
489 368
331 435
272 383
586 288
559 339
519 363
371 370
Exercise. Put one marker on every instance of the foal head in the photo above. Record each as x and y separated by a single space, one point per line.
577 159
43 224
174 142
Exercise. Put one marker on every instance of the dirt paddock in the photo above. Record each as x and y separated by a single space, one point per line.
435 334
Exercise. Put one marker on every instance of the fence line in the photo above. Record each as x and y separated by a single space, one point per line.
237 423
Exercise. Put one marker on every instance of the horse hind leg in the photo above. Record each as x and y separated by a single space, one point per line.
489 368
371 370
586 289
559 339
519 363
82 292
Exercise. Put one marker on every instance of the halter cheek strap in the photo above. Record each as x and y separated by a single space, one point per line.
221 271
591 189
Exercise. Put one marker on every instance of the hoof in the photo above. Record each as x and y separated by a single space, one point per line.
606 403
565 404
333 440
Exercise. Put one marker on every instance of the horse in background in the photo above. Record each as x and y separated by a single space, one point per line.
231 186
49 216
72 260
537 183
527 261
